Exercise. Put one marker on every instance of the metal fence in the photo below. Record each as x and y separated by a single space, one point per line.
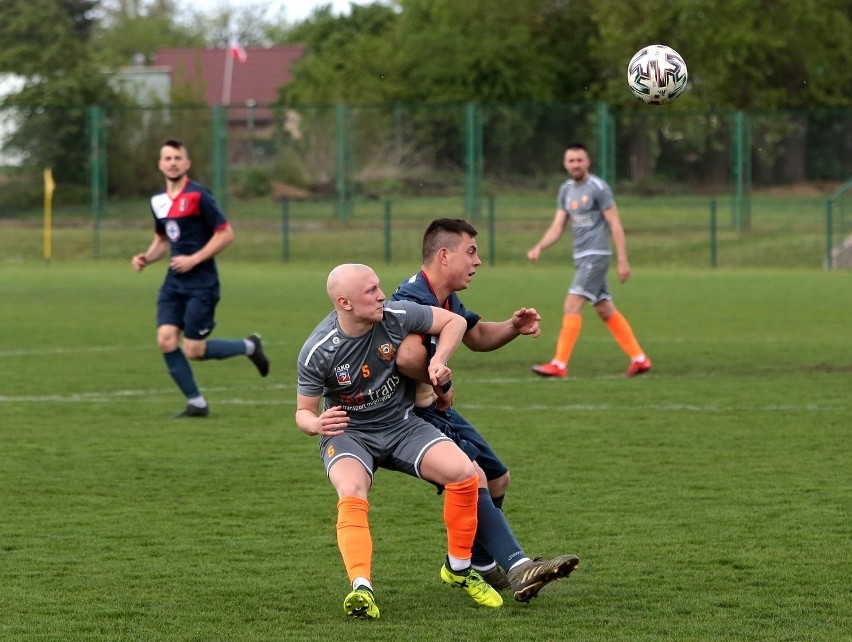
382 169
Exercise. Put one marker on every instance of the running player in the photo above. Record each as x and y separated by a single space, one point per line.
349 364
450 259
188 221
588 202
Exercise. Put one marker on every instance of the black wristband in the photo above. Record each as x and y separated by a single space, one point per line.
446 387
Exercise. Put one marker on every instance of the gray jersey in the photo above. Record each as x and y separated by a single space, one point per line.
359 373
585 203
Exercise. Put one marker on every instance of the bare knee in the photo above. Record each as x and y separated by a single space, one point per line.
483 480
498 487
194 349
167 338
350 488
349 478
605 309
445 463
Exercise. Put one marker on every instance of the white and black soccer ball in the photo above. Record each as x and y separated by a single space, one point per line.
656 74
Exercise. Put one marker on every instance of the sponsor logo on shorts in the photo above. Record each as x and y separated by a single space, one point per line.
330 451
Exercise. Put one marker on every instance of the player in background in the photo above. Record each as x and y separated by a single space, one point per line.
189 224
450 260
349 364
588 202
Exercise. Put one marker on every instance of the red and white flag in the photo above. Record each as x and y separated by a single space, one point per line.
236 50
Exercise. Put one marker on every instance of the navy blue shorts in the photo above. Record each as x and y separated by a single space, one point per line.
192 311
473 444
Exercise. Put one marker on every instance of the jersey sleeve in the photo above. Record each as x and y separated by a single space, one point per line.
312 367
412 318
310 382
604 196
159 224
562 196
210 210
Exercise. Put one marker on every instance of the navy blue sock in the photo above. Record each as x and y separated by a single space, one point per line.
495 540
224 348
181 372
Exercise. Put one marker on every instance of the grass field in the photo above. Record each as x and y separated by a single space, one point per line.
709 500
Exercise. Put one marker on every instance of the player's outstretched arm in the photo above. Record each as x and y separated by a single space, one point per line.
490 335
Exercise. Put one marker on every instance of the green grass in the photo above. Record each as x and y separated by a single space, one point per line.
709 500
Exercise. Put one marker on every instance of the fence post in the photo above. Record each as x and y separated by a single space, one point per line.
343 169
606 143
387 231
285 229
829 237
473 161
220 155
492 243
741 171
713 237
97 173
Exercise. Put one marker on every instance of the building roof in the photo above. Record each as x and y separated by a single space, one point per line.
257 79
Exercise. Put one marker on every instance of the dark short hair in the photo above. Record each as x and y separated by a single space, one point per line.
577 146
444 232
172 142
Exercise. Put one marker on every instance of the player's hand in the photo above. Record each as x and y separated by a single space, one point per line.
332 421
533 254
139 262
445 399
439 373
623 268
182 263
527 321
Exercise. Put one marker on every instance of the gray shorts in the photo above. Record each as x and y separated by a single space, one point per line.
590 278
400 448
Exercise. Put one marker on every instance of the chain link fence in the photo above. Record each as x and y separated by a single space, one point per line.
326 182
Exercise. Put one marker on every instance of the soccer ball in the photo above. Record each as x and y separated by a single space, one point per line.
656 74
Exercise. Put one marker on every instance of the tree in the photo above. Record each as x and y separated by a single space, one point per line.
443 51
741 54
46 42
132 27
348 59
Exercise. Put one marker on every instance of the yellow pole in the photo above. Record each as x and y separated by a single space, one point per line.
49 186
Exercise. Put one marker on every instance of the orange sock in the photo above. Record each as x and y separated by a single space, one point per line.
460 516
623 334
353 536
571 324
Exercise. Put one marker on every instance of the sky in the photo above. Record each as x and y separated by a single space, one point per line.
293 10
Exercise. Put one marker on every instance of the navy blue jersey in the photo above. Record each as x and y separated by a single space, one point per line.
189 222
418 289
